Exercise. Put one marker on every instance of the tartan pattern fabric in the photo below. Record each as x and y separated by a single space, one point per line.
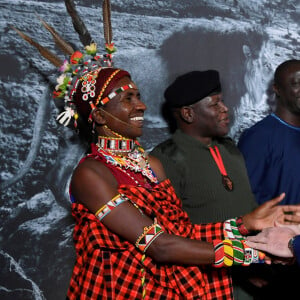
109 267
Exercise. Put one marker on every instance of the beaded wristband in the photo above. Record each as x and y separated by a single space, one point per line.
247 254
148 236
228 253
219 253
238 252
235 230
227 230
109 206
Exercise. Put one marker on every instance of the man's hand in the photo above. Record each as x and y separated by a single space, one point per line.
273 241
270 212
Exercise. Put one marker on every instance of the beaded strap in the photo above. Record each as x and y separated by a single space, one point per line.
148 236
143 279
109 206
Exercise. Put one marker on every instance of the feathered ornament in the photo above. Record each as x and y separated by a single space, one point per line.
59 41
78 24
79 62
55 60
107 29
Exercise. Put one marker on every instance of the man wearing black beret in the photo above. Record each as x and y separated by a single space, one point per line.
205 167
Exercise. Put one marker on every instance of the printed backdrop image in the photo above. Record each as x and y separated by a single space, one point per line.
156 41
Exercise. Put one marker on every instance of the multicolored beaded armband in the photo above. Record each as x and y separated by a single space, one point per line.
148 236
109 206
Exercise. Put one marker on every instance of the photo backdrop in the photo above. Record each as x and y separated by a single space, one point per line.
156 40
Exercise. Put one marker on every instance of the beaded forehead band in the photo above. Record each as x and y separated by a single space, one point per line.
82 67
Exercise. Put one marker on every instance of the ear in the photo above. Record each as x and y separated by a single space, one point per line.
187 114
98 116
276 90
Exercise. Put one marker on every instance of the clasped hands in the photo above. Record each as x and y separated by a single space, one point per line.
277 225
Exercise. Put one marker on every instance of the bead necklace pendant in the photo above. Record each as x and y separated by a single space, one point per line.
227 182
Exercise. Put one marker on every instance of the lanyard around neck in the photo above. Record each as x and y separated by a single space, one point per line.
226 181
218 159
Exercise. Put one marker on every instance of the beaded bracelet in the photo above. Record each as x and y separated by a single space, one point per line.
219 253
235 252
238 252
227 230
247 254
235 230
148 236
228 253
109 206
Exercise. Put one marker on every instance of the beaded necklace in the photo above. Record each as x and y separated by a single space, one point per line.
135 160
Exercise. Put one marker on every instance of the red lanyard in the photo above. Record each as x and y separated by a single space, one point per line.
218 159
227 182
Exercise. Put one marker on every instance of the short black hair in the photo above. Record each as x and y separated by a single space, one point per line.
282 68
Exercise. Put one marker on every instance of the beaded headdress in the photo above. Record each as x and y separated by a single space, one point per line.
87 77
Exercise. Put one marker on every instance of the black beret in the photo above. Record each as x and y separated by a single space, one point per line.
192 87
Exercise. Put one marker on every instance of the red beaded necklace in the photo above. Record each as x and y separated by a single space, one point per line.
135 160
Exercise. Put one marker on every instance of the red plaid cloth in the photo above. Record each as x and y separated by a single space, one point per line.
109 267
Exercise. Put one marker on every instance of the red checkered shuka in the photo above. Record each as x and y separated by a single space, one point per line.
109 267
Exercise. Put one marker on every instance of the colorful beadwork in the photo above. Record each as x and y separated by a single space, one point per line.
231 230
116 92
88 85
148 236
228 253
219 253
136 160
105 85
116 144
227 230
238 252
235 252
247 254
143 279
109 206
235 230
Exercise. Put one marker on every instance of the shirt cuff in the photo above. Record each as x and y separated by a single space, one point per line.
296 248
